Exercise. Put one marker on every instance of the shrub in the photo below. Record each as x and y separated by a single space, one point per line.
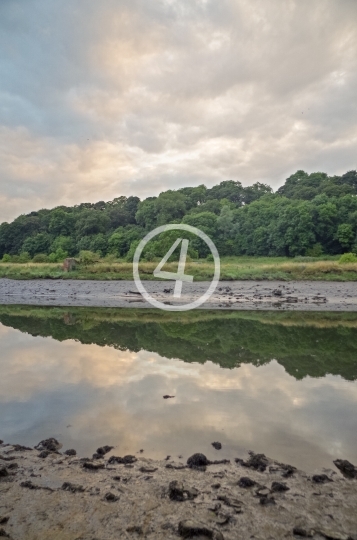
24 257
88 257
58 256
348 258
209 257
6 258
40 258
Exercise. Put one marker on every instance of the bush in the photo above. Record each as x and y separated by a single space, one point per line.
348 258
88 257
24 257
40 258
315 251
209 257
58 256
6 258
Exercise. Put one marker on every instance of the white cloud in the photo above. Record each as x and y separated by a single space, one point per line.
135 97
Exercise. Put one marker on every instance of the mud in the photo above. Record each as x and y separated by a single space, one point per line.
61 497
237 295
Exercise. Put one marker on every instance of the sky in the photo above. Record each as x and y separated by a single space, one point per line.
134 97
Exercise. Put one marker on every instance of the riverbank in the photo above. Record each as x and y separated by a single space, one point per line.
244 295
49 494
232 268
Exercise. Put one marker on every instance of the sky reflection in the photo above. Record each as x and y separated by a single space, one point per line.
87 396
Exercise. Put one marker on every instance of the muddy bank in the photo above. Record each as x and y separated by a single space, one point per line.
238 295
46 493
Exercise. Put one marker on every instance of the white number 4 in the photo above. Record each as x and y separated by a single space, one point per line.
180 275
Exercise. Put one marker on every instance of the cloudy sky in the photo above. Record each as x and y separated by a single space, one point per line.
120 97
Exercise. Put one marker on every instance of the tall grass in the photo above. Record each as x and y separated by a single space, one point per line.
232 268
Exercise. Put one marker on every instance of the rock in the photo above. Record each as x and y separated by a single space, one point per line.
176 466
299 531
44 454
29 485
321 479
126 460
217 445
3 472
347 469
4 520
287 470
231 501
104 450
279 487
20 448
73 488
52 445
191 529
330 534
267 500
70 452
215 486
176 491
258 462
135 529
148 470
263 492
198 462
93 466
110 497
3 534
246 482
277 292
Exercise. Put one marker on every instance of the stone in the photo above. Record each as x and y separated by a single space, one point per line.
267 500
93 466
3 472
126 460
73 488
246 482
258 462
104 450
51 445
321 478
191 529
198 462
176 491
148 470
279 487
217 445
110 497
347 469
70 452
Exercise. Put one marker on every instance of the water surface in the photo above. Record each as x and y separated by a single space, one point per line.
283 383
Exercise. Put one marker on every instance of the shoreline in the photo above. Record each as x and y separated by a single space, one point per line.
46 494
231 295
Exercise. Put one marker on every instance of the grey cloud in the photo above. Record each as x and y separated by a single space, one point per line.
122 97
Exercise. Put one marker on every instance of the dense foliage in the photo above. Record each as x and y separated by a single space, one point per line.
228 339
311 214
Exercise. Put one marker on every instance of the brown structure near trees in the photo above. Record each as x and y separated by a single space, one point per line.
69 265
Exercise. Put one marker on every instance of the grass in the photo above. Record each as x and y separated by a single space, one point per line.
90 316
232 268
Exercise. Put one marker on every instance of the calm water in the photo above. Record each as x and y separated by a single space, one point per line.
282 384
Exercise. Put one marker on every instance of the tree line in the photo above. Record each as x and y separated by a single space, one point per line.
310 215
